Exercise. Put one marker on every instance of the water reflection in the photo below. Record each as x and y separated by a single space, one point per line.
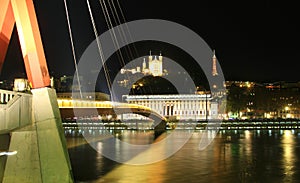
288 161
233 156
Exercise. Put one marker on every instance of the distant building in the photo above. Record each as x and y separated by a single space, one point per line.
21 85
214 65
179 107
153 67
289 112
242 84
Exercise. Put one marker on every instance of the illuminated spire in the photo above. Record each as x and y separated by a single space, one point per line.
214 64
144 64
160 56
214 56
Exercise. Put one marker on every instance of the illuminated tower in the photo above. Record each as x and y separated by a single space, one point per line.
155 65
144 65
214 64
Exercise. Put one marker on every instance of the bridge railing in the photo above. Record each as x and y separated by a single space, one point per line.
77 103
6 96
15 110
118 107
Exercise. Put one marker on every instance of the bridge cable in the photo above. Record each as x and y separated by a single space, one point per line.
112 32
124 33
121 32
113 35
100 51
72 46
128 31
127 28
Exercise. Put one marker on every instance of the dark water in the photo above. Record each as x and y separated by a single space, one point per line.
233 156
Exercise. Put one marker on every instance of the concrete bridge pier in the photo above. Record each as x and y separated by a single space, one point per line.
4 139
160 128
42 154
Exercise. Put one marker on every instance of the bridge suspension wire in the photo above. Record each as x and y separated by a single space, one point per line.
100 51
121 32
113 34
72 46
127 28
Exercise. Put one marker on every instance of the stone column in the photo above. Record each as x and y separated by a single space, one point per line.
42 152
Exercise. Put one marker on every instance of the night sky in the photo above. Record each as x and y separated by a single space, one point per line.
257 41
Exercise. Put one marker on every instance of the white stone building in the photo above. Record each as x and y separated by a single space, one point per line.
181 107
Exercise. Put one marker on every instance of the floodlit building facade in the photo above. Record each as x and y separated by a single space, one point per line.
178 106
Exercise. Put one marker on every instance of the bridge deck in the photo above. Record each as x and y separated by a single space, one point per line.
91 108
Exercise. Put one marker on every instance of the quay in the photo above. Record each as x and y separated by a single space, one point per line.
91 124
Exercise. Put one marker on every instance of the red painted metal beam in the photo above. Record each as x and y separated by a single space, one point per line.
7 21
23 14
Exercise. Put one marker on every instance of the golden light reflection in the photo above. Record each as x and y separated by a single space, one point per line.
247 134
288 154
145 173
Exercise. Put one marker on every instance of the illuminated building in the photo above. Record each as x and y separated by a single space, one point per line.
214 65
241 84
21 85
155 65
178 106
144 65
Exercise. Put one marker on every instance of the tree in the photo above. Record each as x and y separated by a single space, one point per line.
237 99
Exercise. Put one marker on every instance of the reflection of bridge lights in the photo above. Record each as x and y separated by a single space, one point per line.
287 133
247 134
288 154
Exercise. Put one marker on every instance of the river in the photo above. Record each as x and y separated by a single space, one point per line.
233 156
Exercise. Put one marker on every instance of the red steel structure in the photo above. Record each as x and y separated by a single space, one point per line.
22 13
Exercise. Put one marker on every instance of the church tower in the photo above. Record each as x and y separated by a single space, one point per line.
144 65
155 65
214 64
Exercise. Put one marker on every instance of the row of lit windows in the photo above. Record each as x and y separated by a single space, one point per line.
186 97
170 102
190 112
176 107
185 112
